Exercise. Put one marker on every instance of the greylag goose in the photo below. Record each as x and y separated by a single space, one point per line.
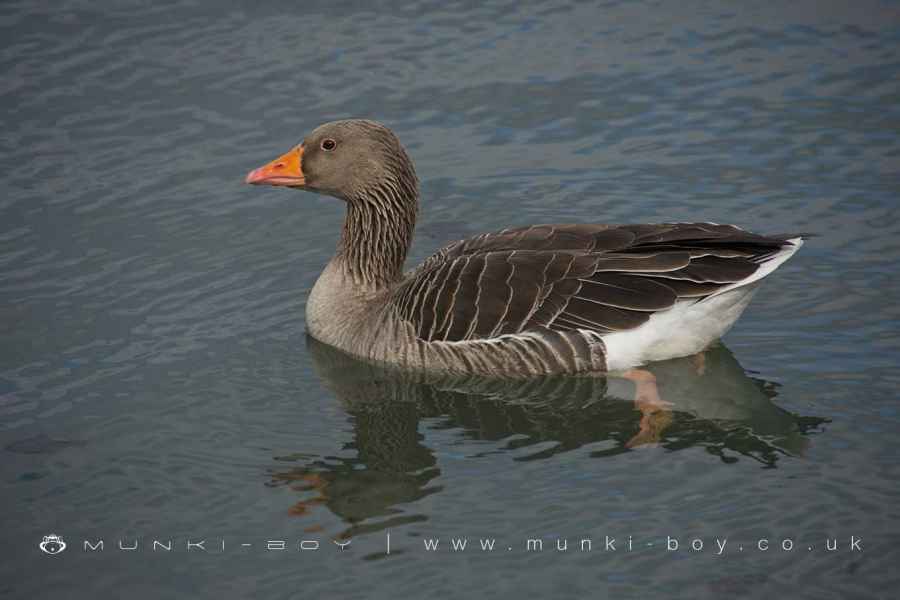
544 299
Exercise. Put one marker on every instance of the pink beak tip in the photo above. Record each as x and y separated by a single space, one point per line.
252 176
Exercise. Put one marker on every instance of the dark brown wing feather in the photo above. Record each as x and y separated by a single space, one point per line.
560 277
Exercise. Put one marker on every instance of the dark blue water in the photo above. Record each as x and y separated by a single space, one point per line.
156 381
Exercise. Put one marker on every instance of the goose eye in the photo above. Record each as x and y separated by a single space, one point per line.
328 144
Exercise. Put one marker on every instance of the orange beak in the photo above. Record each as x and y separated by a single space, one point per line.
286 170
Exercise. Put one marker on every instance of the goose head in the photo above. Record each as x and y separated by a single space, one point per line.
354 160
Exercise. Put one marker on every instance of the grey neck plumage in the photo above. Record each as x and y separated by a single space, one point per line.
378 231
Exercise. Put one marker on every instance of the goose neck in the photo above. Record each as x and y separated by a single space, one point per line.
377 234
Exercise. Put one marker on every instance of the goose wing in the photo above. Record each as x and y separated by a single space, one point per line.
563 277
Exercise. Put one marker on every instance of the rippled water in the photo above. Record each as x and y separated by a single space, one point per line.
156 381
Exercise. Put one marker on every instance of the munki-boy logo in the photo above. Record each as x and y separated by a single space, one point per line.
52 544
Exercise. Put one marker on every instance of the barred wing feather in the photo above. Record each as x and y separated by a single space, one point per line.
563 277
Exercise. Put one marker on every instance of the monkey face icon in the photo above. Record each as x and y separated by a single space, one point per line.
52 544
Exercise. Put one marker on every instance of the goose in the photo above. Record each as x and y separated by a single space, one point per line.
524 301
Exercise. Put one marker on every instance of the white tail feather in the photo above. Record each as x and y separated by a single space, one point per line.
690 325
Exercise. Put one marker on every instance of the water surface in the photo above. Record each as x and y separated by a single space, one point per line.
156 380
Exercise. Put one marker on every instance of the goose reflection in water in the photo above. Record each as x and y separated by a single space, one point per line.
705 400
